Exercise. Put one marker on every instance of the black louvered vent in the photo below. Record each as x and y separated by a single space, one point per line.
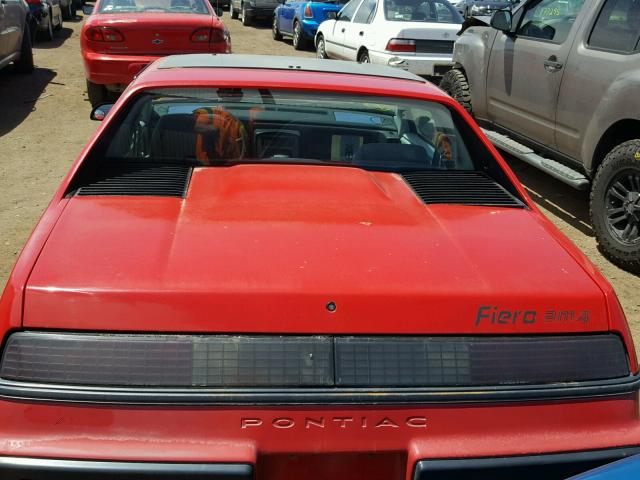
466 188
140 179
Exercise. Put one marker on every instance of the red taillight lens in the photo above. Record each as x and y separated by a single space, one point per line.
201 35
104 34
308 13
401 45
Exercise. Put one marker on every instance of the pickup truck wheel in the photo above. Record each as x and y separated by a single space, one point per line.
615 205
234 13
456 85
275 32
299 42
25 63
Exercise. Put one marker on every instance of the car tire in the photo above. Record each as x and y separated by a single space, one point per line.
25 63
321 49
67 12
97 94
60 21
298 40
455 83
246 19
275 32
615 206
363 57
48 33
234 13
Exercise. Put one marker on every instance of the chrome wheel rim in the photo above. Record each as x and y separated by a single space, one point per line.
320 50
296 34
622 207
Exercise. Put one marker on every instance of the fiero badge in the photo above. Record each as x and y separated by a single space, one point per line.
353 423
494 315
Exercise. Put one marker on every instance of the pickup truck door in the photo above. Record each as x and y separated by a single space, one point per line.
607 52
335 45
358 31
526 67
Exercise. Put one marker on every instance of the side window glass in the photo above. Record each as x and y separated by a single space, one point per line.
445 15
365 13
617 27
346 14
550 20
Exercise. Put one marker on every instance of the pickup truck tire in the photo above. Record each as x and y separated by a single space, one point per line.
615 205
25 63
456 85
234 13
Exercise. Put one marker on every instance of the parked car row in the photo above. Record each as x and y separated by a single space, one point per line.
23 22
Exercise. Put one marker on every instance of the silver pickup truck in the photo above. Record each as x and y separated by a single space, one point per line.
556 83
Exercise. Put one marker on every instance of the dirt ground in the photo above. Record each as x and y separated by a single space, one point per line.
44 122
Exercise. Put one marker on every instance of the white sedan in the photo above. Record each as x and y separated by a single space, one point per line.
415 35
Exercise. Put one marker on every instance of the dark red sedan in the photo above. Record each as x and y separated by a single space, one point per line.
121 37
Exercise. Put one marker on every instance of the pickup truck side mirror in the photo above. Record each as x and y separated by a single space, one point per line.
502 20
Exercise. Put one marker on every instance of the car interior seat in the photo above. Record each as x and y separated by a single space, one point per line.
392 156
174 138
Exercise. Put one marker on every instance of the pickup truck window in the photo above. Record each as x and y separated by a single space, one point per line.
617 27
550 19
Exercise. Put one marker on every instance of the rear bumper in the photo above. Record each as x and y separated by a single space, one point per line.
399 442
114 69
420 64
259 12
522 467
19 468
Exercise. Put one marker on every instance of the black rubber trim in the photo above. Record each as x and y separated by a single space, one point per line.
25 468
315 396
547 466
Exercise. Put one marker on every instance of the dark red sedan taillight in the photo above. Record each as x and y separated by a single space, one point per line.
217 38
201 35
104 34
401 45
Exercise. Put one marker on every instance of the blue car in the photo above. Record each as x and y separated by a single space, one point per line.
627 469
300 20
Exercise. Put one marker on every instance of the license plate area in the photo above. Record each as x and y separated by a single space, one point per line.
370 465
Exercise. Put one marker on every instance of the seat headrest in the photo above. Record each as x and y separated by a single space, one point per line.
391 155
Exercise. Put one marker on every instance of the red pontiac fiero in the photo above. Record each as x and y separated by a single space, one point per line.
273 268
